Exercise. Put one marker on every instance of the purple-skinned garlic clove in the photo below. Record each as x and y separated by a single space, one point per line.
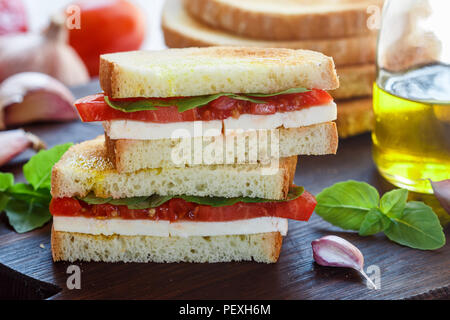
32 97
14 142
333 251
441 191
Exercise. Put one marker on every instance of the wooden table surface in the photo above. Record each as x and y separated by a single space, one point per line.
405 272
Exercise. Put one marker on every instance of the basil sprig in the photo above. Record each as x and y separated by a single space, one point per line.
156 200
26 204
354 205
188 103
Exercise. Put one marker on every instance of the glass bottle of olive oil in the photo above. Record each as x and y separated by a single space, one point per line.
411 139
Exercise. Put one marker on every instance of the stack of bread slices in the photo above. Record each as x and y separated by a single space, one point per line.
341 29
199 155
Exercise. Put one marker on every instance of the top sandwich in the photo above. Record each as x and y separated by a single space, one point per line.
155 103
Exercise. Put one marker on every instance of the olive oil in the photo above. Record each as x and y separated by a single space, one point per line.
411 138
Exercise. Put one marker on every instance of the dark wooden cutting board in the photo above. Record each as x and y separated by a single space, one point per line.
405 272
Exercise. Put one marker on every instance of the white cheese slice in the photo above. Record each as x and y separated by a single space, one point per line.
140 130
164 228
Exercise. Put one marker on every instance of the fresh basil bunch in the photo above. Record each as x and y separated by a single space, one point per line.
26 204
354 205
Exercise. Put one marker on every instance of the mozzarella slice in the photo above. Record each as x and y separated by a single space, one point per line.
293 119
139 130
164 228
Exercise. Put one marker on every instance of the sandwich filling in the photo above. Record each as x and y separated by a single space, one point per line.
176 216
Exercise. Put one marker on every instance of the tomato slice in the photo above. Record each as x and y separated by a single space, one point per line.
94 108
179 209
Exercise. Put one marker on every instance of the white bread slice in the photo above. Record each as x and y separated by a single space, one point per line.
355 116
181 30
85 167
355 81
133 155
285 19
261 247
202 71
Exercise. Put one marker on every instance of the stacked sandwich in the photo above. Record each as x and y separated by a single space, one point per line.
336 28
199 155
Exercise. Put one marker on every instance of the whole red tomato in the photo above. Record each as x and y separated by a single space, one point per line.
105 27
13 17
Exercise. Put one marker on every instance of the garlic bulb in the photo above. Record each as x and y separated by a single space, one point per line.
32 96
47 53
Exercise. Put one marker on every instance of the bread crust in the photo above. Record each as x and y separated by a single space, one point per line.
355 117
181 30
239 70
85 168
131 155
66 246
339 20
355 81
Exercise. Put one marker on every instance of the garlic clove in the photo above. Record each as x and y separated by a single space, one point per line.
14 142
333 251
48 53
441 191
31 96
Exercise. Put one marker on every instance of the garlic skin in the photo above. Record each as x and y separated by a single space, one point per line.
333 251
14 142
48 53
31 96
441 191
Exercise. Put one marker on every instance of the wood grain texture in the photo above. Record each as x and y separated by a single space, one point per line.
405 273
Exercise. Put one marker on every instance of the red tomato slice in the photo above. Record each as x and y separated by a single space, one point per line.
94 108
178 209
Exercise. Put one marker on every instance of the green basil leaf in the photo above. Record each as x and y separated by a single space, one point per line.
25 216
4 198
418 227
150 202
188 103
393 203
374 222
6 181
288 91
26 192
38 169
345 204
156 200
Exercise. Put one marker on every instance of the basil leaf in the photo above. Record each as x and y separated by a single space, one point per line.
288 91
188 103
92 199
150 202
393 202
25 216
38 169
4 198
374 222
156 200
418 227
346 204
26 192
6 181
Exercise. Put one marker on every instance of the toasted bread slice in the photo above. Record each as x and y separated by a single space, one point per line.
355 81
86 168
355 116
201 71
261 247
181 30
251 147
285 19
